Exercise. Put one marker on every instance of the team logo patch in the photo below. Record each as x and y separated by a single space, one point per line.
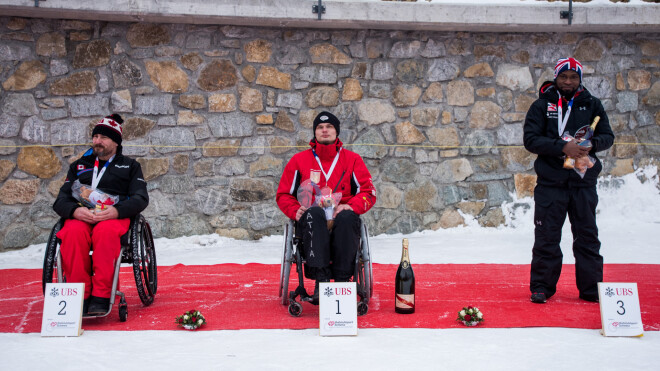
81 167
552 107
324 118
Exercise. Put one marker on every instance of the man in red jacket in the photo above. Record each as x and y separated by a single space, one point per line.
328 164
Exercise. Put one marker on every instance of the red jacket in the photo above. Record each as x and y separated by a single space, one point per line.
356 186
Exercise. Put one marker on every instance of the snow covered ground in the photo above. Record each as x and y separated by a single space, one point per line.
628 221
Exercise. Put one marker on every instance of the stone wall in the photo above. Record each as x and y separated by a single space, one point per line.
214 112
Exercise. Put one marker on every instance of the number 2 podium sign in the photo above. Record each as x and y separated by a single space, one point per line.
619 309
337 308
63 309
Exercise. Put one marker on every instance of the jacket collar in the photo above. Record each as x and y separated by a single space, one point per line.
326 152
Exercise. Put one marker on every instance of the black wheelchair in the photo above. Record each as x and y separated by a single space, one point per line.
137 249
291 255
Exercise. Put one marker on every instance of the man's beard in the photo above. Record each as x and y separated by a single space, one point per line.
325 141
100 151
567 93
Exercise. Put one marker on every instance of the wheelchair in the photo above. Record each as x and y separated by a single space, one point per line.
291 255
137 249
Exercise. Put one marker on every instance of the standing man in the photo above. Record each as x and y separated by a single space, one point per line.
328 164
564 106
105 169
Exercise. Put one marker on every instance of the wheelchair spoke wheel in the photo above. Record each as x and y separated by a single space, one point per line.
51 268
144 261
285 267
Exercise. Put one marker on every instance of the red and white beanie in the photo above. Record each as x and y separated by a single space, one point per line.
110 126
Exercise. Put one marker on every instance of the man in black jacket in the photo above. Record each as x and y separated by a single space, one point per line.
102 168
564 106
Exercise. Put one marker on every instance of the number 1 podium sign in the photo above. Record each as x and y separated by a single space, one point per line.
62 314
619 309
337 308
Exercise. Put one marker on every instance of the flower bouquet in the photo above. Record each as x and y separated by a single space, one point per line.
190 320
470 316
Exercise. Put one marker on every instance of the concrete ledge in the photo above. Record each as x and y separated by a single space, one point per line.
530 16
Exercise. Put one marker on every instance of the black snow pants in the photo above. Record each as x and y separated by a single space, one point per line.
321 247
551 206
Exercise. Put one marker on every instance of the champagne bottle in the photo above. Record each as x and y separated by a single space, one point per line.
404 284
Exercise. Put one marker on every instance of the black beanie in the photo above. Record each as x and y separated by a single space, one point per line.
326 117
110 126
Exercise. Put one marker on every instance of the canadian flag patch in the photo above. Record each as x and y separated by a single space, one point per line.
552 107
81 167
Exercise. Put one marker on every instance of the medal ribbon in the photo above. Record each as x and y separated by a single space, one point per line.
561 122
96 176
332 168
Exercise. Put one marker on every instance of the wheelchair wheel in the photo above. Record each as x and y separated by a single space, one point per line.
295 309
51 267
362 308
123 311
366 261
144 261
285 268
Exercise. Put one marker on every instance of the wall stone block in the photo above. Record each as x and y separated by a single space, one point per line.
147 34
27 76
317 74
406 95
485 115
78 83
6 167
93 54
39 161
16 191
442 70
258 51
514 77
322 96
221 103
407 133
218 75
152 168
375 112
270 76
328 54
167 76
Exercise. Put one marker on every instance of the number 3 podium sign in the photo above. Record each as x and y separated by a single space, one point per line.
619 309
337 308
63 309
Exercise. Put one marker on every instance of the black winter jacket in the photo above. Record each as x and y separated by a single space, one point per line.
123 177
541 136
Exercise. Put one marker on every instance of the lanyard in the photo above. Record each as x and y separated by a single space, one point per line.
96 176
332 168
561 122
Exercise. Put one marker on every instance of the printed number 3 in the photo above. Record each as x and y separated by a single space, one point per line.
623 310
62 312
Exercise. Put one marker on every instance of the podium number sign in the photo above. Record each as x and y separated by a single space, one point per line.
619 309
337 308
62 314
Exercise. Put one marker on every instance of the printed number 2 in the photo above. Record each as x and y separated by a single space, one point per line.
62 312
338 312
623 310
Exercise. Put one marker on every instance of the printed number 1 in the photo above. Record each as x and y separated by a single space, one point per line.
62 312
338 312
620 302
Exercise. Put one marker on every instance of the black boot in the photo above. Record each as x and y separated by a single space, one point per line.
98 306
86 305
315 297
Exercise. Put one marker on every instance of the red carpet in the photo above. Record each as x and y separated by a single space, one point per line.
236 296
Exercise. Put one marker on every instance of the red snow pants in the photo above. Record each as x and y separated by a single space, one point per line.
77 239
